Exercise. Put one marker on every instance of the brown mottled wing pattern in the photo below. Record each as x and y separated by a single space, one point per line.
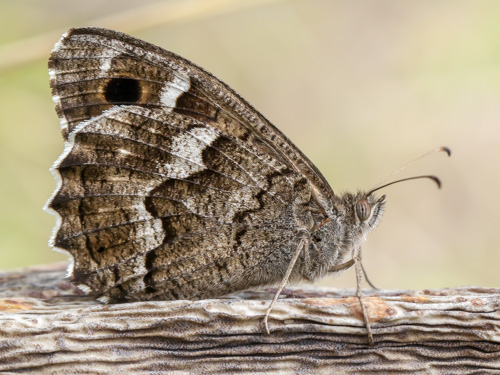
171 185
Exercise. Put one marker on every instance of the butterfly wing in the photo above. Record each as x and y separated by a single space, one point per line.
171 185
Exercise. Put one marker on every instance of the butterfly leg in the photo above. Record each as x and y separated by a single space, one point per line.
302 246
348 264
360 271
359 293
341 267
367 279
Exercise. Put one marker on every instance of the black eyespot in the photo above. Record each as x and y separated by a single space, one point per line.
101 249
122 90
363 210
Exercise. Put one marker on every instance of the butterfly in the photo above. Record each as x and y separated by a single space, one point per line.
172 186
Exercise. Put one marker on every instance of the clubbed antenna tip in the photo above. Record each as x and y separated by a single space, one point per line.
445 149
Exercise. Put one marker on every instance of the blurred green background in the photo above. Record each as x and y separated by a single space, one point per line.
360 86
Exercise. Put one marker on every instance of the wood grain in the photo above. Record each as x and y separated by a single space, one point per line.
47 326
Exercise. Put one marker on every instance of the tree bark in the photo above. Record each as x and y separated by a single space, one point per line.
48 326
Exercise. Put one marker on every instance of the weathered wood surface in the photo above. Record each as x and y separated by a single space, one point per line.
48 327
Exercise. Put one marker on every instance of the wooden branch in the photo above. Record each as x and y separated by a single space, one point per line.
48 326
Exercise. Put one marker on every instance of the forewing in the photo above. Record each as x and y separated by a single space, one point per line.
171 185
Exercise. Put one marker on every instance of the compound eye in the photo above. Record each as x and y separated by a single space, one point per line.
363 210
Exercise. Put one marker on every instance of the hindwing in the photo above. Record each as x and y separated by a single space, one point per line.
170 185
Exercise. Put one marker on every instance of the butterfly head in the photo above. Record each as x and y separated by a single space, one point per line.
362 212
344 225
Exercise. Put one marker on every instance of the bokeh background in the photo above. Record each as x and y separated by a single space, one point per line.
360 86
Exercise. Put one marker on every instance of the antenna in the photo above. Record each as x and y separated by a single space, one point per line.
434 178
